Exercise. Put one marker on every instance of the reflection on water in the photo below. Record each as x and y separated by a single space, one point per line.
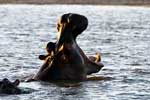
121 34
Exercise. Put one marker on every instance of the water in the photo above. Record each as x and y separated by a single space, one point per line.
121 34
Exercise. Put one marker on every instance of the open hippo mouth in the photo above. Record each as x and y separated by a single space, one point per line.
69 27
65 59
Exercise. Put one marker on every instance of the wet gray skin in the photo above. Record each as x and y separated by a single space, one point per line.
8 87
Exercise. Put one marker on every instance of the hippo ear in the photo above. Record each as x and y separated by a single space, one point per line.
16 82
5 80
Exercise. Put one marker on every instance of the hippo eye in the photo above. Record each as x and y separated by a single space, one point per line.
3 86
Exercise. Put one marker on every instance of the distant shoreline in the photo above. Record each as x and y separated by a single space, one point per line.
84 2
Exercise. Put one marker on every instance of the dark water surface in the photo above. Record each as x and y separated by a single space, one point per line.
121 34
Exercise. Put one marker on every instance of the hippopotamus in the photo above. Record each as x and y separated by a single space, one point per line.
65 59
8 87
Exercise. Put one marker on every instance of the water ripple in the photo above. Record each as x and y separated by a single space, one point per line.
121 34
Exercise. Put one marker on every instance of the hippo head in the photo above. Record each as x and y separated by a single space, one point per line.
73 24
7 87
70 26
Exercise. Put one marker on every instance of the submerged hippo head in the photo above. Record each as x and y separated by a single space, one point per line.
7 87
70 26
